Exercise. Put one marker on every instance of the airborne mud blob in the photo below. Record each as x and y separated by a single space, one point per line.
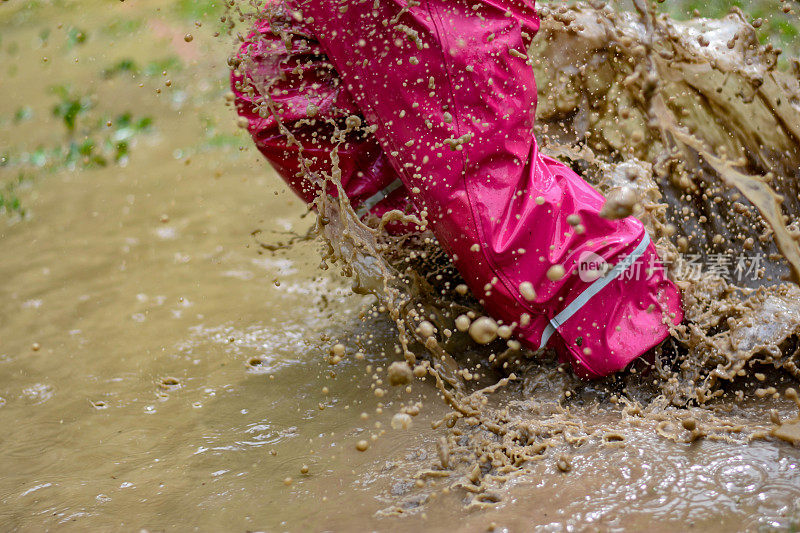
688 126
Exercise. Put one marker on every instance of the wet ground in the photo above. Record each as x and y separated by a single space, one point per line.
160 369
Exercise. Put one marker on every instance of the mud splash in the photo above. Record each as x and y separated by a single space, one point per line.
696 120
692 121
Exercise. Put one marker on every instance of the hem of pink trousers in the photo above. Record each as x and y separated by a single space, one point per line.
616 323
584 369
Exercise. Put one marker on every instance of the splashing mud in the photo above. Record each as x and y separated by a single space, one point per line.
690 127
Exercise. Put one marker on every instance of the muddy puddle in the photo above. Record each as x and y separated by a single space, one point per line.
173 357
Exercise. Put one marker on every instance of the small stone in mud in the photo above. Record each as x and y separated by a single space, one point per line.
399 373
188 37
401 421
556 273
483 330
362 445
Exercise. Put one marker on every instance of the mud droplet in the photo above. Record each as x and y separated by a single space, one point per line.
556 273
788 431
399 373
443 450
362 445
483 330
401 421
563 463
338 350
526 290
619 205
462 323
426 329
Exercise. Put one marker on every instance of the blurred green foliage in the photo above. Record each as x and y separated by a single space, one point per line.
70 106
199 9
779 28
104 140
10 203
90 140
75 36
155 67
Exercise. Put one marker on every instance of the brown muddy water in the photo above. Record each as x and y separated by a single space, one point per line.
160 368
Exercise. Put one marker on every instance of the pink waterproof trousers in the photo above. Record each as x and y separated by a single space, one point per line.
449 85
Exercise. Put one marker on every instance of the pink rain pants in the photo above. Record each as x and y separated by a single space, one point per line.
449 86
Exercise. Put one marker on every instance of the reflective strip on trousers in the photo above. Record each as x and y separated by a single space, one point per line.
593 289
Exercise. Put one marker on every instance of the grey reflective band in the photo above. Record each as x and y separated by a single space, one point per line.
593 289
373 200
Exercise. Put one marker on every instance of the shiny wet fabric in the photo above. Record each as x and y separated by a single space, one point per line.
449 85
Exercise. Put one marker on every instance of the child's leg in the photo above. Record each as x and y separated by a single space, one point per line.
308 92
449 86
